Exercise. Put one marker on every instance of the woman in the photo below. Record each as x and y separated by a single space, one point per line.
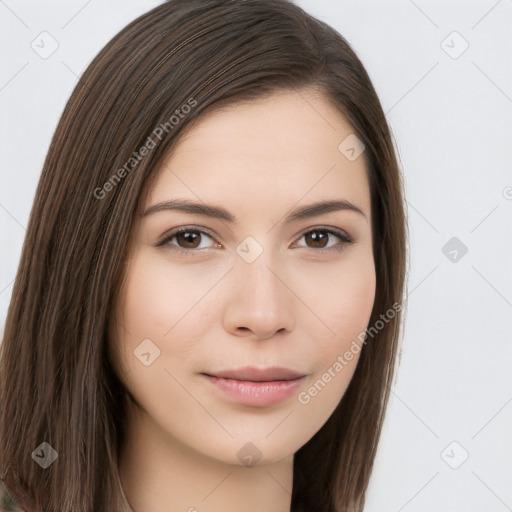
207 310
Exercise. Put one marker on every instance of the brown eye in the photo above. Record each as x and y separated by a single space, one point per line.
187 240
319 239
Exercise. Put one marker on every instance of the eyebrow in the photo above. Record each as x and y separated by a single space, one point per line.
217 212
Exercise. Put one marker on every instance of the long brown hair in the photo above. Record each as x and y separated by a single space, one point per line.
57 384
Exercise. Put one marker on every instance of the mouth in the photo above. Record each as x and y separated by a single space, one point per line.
253 374
257 387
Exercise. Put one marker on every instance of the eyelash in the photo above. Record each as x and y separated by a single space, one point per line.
345 240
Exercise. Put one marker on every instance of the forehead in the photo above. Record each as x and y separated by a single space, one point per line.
266 153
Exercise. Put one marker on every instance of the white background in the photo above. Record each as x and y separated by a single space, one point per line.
451 120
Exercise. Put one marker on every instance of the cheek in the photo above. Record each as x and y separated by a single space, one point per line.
149 298
160 302
148 308
347 299
345 308
158 295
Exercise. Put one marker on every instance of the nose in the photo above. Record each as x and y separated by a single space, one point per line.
260 302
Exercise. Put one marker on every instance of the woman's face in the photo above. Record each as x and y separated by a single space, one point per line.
268 288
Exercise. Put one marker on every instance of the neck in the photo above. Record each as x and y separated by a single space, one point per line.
159 473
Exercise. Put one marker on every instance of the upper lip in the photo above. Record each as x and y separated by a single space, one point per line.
258 374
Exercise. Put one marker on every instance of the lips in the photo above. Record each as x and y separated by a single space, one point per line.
251 373
257 387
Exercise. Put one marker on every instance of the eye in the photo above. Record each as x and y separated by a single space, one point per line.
319 237
189 239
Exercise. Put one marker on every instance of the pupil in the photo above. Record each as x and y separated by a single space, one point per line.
189 237
317 237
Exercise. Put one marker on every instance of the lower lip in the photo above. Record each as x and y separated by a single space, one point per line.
257 393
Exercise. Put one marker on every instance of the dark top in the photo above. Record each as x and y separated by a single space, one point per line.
8 502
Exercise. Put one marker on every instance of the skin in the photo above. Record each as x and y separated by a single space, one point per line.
297 305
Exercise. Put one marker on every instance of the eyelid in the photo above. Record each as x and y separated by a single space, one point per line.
342 235
331 229
176 231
